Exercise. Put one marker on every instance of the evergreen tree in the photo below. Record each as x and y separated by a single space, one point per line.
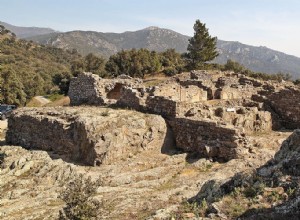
172 62
11 88
95 64
201 48
234 66
135 63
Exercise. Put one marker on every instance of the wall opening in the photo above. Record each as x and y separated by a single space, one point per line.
115 93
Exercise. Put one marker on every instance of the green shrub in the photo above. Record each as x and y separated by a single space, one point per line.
170 71
80 204
2 157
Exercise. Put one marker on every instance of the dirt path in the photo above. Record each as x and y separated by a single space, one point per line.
42 100
3 124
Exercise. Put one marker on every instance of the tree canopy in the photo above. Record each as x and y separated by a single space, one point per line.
135 63
28 69
201 47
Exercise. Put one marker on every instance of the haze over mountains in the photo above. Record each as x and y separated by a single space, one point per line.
260 59
23 32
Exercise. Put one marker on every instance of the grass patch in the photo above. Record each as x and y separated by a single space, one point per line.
105 113
34 103
187 209
165 186
53 97
63 101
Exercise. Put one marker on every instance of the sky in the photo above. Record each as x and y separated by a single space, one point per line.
271 23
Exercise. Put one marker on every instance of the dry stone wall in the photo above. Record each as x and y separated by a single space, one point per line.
209 139
132 98
161 105
210 114
286 103
88 135
84 90
91 89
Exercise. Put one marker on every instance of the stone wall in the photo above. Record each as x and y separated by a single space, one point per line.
192 94
180 92
161 105
238 92
168 89
286 104
84 90
88 135
250 119
132 98
209 139
91 89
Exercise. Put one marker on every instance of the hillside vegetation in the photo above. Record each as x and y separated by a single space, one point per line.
259 59
28 69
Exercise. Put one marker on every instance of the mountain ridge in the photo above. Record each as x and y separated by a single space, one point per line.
256 58
24 32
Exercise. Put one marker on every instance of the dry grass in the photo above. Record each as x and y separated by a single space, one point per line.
59 100
154 80
34 102
64 101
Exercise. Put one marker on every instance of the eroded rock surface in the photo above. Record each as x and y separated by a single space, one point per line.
87 135
133 188
269 192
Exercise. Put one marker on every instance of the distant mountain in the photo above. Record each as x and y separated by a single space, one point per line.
107 44
23 32
260 59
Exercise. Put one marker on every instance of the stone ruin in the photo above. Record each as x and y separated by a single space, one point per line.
211 114
91 89
86 135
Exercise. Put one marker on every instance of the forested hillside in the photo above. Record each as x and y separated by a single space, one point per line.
259 59
28 69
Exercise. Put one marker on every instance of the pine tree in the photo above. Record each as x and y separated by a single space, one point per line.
201 48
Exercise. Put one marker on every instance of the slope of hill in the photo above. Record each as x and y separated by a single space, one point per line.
28 69
260 59
23 32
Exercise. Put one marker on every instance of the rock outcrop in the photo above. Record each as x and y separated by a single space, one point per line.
147 162
275 186
30 182
132 188
88 135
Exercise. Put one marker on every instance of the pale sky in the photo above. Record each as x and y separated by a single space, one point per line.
271 23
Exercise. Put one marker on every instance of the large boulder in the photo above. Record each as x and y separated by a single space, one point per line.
88 135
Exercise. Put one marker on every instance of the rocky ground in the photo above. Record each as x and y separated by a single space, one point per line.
270 192
149 184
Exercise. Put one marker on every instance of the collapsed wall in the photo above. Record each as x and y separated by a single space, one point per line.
88 135
209 113
90 89
209 139
83 90
286 103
